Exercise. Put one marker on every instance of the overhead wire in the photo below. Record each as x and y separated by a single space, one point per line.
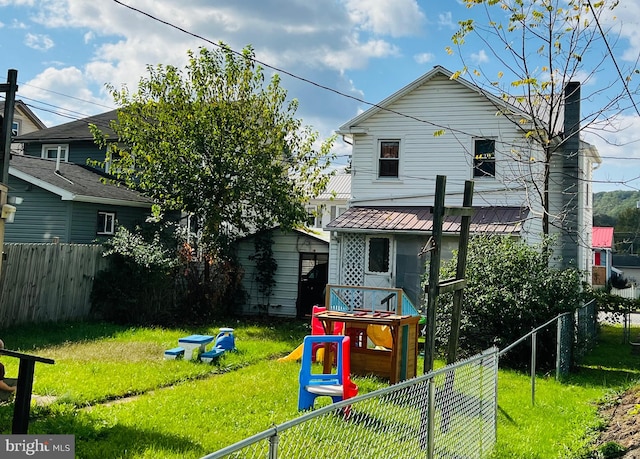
288 73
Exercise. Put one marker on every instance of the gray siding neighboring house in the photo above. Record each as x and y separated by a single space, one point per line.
629 265
67 200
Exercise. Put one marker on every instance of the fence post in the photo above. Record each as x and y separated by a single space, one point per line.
533 367
273 446
558 346
432 417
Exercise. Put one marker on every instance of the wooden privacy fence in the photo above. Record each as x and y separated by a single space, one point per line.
48 282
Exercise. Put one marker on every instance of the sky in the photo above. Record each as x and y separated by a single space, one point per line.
342 55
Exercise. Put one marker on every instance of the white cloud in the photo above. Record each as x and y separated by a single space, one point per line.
16 2
480 57
88 37
38 41
49 86
445 20
424 58
15 24
396 18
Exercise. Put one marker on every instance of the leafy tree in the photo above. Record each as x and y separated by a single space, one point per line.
510 290
217 142
628 229
541 46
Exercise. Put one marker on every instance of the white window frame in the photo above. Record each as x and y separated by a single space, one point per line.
64 151
109 226
15 128
389 255
379 158
311 213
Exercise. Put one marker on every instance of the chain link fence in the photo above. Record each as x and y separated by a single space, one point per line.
586 329
449 413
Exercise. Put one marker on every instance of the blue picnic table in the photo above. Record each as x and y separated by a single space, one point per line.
193 342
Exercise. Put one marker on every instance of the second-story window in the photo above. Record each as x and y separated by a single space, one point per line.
15 128
50 151
484 158
389 161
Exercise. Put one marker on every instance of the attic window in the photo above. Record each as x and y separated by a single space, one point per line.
50 151
484 158
389 158
106 223
15 128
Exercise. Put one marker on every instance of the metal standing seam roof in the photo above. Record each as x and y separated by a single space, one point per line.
602 237
499 220
339 187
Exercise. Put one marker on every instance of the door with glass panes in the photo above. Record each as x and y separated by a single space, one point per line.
379 257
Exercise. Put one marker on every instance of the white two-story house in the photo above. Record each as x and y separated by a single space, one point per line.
438 125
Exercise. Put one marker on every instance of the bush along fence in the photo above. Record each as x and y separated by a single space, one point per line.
450 412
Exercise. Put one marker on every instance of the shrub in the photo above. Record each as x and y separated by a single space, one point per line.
136 287
510 290
154 279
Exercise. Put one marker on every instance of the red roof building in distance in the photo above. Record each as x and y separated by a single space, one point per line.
602 237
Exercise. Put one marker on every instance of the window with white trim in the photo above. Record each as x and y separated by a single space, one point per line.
106 223
312 215
336 211
389 158
15 128
50 151
484 158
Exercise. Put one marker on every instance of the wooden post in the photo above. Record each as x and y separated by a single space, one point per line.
10 88
457 284
434 274
461 271
22 404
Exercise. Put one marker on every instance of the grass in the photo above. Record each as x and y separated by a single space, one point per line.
564 421
120 398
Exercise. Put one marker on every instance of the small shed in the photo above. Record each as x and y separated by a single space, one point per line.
602 248
302 257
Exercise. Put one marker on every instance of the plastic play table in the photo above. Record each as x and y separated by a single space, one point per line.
193 342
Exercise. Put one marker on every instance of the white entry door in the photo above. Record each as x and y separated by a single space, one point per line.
379 261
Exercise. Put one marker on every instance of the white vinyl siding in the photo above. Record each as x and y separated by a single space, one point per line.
425 155
286 250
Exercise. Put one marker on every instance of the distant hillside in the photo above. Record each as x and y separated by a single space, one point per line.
611 203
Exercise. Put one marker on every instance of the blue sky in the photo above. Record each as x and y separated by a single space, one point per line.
65 52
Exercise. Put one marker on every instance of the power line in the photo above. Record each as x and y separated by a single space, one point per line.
68 96
615 63
277 69
286 72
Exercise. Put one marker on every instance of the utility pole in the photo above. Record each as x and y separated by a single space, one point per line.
9 88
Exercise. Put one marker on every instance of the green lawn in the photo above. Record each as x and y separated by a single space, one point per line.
121 399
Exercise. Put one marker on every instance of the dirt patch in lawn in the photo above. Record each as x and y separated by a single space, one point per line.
624 423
